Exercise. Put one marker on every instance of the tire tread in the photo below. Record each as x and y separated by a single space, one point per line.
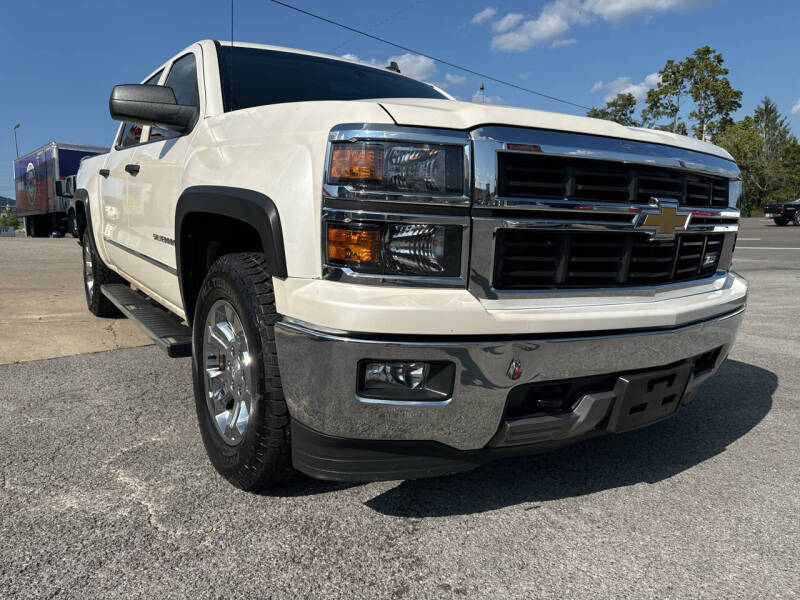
269 462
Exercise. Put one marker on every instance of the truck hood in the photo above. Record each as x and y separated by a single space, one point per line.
450 114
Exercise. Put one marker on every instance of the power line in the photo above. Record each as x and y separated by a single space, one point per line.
376 25
444 62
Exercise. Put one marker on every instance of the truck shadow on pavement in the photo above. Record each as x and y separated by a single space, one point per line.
725 409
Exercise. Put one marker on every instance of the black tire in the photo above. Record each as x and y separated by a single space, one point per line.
36 227
98 304
72 224
44 226
262 456
780 222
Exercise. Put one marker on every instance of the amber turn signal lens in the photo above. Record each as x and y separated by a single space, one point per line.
353 245
357 163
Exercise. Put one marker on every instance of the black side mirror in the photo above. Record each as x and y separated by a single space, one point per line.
151 105
60 188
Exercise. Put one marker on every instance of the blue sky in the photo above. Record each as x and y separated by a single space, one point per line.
60 59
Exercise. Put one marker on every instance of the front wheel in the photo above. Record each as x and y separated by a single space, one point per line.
239 399
780 222
95 274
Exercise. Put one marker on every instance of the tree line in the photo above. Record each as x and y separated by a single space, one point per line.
10 220
695 95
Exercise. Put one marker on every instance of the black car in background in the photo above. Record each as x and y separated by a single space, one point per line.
783 213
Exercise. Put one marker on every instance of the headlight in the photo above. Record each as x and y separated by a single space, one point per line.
398 167
395 248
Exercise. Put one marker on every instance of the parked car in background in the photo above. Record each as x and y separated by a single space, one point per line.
784 213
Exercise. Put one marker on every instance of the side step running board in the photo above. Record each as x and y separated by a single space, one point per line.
165 329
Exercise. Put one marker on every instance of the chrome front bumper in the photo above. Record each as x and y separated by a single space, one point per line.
319 371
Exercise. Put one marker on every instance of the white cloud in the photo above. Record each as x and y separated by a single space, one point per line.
414 65
619 10
796 108
482 99
411 65
483 16
510 21
553 22
625 85
354 57
556 18
450 79
563 42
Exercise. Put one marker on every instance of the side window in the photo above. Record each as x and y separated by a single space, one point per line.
182 79
132 132
131 135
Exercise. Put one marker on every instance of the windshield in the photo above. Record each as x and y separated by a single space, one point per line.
255 77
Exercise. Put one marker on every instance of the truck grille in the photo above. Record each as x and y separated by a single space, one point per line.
534 176
534 259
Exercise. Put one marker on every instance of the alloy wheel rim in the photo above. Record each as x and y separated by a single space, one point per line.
88 272
228 372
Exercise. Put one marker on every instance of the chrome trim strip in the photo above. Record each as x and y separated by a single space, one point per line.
403 403
144 257
338 273
555 223
357 214
359 132
578 207
328 333
351 132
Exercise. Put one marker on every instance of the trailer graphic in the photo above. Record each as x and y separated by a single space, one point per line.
42 197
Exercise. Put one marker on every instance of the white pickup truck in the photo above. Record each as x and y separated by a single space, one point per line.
376 281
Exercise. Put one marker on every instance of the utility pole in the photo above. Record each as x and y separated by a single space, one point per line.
16 146
483 94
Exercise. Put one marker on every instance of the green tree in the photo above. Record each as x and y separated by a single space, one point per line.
699 81
10 220
621 110
768 155
666 99
772 125
714 97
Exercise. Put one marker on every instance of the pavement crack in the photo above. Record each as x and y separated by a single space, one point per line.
113 333
141 491
159 437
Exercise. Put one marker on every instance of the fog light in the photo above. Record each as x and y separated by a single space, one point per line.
387 375
402 382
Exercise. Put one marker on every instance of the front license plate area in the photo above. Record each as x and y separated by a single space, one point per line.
645 398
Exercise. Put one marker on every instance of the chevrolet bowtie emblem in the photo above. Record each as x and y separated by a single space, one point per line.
665 222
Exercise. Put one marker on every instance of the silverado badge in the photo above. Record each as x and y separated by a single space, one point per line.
664 223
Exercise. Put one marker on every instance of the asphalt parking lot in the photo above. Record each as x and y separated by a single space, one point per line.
106 492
